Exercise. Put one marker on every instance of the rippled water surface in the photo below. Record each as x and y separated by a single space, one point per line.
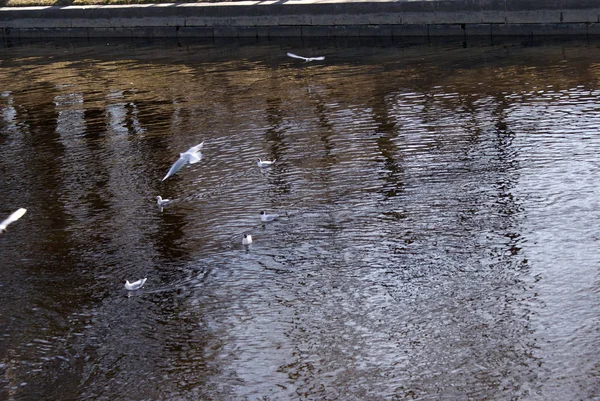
438 233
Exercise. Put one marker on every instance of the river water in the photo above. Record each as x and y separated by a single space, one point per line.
437 240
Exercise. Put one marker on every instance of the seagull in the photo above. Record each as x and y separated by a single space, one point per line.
162 202
264 163
136 285
320 58
14 216
247 239
268 217
192 155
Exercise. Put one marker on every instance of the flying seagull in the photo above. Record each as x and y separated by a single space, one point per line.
136 285
192 155
14 216
264 163
320 58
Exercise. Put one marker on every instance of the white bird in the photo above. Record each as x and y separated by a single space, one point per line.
265 163
247 239
268 217
136 285
162 202
192 155
320 58
14 216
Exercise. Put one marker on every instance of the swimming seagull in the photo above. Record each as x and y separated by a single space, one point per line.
247 239
320 58
136 285
264 163
14 216
192 155
268 217
162 202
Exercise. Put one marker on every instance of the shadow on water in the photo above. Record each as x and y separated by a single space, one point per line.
432 199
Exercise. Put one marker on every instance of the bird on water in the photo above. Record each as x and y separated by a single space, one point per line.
136 285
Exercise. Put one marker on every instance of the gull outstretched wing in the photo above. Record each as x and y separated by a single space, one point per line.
195 149
183 158
14 216
296 56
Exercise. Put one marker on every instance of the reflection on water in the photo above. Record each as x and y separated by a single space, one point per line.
437 237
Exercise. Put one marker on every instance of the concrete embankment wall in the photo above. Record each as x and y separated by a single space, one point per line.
304 18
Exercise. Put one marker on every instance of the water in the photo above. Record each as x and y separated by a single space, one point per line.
437 237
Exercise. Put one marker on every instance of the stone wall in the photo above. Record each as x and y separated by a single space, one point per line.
302 18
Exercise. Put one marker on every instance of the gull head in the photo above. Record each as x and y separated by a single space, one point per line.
160 201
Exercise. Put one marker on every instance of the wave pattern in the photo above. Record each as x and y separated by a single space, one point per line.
436 231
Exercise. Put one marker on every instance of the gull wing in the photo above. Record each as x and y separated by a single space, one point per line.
296 56
195 157
14 216
320 58
195 149
183 158
270 217
136 285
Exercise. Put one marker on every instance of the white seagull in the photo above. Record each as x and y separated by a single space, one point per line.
192 155
320 58
247 239
162 202
268 217
265 163
136 285
14 216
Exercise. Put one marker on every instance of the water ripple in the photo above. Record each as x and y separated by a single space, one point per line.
436 233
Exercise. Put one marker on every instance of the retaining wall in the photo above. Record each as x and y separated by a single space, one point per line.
300 18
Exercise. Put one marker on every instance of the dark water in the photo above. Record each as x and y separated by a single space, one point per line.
438 237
